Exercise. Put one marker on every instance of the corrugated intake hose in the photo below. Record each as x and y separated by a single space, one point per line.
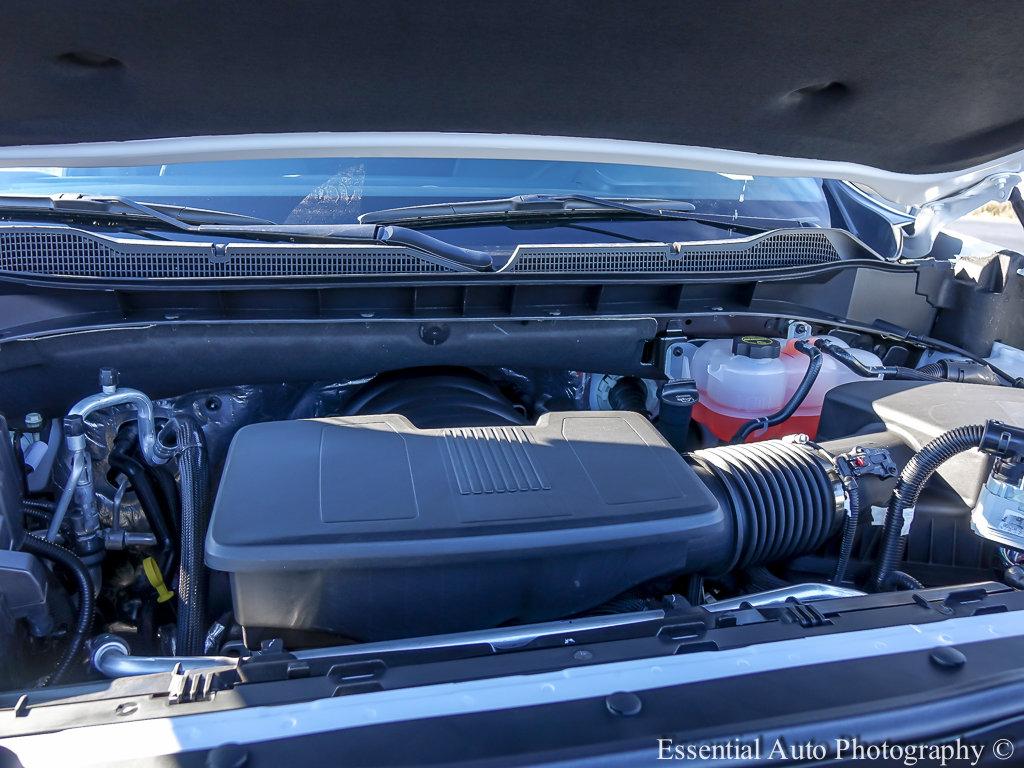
915 474
194 475
786 498
86 603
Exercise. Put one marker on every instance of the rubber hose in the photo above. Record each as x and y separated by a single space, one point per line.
904 581
963 371
842 355
907 374
42 504
695 589
165 481
795 400
622 604
193 471
37 514
628 394
44 517
86 602
761 579
139 480
938 370
915 475
127 444
849 531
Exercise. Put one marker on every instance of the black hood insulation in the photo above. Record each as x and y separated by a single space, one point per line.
917 87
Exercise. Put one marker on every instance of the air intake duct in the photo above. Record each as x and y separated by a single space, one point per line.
783 498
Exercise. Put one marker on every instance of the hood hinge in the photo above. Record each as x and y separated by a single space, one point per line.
931 218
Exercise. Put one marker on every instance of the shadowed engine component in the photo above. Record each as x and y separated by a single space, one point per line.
432 398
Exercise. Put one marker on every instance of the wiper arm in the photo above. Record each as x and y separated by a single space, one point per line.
224 223
437 250
181 217
541 207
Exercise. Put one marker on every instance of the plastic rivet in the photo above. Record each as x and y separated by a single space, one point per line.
624 704
227 756
948 657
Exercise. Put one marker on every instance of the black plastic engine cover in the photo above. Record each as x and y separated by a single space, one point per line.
370 528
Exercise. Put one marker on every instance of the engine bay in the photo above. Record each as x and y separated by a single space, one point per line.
432 500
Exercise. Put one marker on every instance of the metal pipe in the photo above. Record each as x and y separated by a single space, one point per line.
77 468
111 657
804 592
152 451
498 639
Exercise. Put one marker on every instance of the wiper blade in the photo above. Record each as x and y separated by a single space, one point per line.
541 207
520 205
65 205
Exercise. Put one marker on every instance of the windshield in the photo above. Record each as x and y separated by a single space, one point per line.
337 190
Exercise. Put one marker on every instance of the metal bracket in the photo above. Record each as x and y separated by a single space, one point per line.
798 329
675 354
932 218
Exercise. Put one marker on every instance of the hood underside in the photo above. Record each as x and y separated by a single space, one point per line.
923 88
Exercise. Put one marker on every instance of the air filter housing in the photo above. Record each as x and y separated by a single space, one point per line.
369 528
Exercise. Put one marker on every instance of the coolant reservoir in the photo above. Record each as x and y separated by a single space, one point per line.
738 380
754 376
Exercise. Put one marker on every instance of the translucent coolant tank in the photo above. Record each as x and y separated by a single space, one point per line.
754 376
738 380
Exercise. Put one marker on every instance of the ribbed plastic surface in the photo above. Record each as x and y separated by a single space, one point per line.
785 249
53 252
492 460
68 254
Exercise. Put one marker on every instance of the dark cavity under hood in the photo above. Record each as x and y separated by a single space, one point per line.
916 87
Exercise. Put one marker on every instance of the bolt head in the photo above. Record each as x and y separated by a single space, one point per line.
74 426
108 378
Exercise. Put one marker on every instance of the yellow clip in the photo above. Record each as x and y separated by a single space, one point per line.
152 571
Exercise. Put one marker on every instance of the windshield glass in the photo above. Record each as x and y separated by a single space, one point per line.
336 190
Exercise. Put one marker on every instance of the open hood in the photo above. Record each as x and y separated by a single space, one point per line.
918 99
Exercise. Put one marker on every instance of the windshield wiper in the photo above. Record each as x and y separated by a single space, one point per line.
436 250
202 221
567 207
181 217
